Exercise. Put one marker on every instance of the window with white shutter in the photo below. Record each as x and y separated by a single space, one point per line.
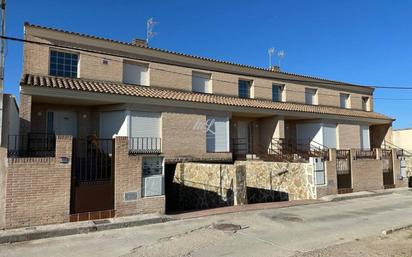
136 74
201 82
365 139
311 96
217 134
145 132
344 101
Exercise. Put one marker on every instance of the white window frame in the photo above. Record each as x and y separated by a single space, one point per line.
251 88
130 125
79 56
141 64
282 91
209 87
314 100
346 102
227 120
363 139
367 104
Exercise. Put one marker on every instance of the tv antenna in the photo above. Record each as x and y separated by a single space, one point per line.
281 55
149 29
271 52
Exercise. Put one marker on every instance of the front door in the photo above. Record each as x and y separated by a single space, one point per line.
241 142
62 123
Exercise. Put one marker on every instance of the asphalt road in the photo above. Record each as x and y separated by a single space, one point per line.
276 232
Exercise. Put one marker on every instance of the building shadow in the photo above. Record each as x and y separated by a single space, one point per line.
260 195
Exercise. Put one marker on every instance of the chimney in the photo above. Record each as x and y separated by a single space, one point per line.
275 68
139 42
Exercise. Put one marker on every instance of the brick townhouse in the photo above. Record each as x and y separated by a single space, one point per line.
104 126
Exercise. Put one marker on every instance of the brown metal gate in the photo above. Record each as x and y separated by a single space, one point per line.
388 180
92 191
343 170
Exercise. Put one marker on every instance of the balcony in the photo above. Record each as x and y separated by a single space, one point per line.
31 145
362 154
145 145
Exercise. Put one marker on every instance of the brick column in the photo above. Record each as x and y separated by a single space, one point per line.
331 187
25 113
127 178
38 189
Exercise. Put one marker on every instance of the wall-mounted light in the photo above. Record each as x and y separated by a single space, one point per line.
104 61
84 116
39 114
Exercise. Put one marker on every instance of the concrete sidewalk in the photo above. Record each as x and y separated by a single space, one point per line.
362 194
57 230
82 227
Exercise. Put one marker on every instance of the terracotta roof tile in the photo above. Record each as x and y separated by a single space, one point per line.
144 91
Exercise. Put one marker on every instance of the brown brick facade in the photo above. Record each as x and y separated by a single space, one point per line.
38 189
348 136
36 61
25 113
330 177
128 178
3 173
367 175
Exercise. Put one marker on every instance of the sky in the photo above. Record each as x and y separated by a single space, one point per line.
366 42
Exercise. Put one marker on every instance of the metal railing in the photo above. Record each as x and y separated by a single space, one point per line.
92 160
145 145
31 145
301 148
399 151
365 154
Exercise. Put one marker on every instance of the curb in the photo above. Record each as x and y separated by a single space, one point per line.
28 235
343 198
395 229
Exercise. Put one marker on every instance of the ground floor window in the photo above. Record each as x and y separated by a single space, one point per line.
152 176
319 168
217 134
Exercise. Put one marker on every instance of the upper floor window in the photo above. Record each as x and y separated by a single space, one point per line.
201 82
63 64
136 74
277 93
344 101
311 96
244 88
365 103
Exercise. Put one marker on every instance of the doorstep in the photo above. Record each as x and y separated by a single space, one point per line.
82 227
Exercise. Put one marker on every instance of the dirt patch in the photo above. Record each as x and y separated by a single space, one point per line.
396 244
